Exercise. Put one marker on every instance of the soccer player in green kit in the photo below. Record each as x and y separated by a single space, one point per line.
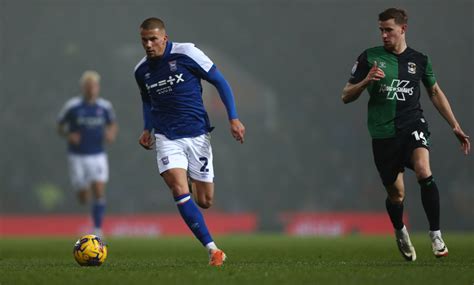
400 138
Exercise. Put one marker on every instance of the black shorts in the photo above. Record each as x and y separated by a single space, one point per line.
392 155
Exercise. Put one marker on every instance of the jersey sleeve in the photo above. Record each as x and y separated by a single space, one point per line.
141 87
215 77
428 78
146 103
65 115
203 67
110 117
198 62
360 69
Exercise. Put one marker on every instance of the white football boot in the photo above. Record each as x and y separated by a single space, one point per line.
404 244
98 232
438 245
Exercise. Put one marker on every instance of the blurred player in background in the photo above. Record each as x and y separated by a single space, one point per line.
169 79
87 122
400 138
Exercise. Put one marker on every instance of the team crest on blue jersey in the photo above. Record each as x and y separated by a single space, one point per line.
147 75
173 65
411 68
165 160
99 112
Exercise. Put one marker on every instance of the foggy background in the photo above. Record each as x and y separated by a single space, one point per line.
287 62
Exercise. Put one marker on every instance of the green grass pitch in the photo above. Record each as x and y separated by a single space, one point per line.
256 259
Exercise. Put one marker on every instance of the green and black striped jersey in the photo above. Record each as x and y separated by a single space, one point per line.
394 102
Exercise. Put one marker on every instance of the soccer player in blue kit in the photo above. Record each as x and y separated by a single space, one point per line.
87 122
169 79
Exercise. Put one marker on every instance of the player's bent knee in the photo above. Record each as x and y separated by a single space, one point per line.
422 169
83 198
422 173
178 189
396 198
205 203
99 194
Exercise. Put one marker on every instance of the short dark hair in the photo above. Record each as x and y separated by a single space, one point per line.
399 15
153 23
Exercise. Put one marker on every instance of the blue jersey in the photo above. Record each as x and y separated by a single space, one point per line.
171 91
90 121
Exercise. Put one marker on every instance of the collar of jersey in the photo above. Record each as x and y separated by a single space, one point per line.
84 102
397 55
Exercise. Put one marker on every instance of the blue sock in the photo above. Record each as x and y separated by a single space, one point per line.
193 218
98 211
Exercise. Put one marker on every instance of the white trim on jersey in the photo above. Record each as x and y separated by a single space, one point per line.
194 53
139 63
71 103
75 101
106 104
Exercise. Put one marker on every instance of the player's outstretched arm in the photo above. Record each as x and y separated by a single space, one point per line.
216 78
440 101
351 92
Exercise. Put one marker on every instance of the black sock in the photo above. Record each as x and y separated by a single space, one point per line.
395 212
430 200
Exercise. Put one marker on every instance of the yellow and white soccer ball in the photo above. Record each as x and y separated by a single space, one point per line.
89 250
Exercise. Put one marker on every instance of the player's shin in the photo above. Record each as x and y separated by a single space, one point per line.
98 212
395 212
195 220
430 200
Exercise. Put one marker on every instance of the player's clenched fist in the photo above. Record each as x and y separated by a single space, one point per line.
237 129
146 140
375 73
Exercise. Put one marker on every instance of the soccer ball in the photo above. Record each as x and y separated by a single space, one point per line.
89 250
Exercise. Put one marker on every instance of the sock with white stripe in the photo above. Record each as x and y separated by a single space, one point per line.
194 219
211 246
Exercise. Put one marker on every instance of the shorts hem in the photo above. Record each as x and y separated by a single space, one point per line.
171 167
200 179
